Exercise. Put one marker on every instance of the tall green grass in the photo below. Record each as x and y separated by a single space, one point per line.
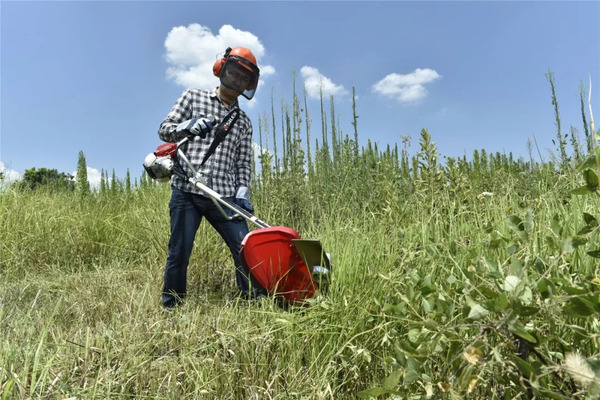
453 278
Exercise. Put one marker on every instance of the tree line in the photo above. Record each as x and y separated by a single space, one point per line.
50 179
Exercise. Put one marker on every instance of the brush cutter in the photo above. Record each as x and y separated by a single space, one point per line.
278 261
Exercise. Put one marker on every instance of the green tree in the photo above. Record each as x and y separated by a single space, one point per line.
355 122
128 182
102 182
83 186
35 179
588 138
562 145
114 188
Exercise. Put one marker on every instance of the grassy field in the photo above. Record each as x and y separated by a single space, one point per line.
476 279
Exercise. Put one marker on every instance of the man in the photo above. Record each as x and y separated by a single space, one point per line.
227 171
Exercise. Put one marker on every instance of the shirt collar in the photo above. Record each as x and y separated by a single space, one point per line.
214 94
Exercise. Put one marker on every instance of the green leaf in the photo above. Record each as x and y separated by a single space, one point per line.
590 220
477 312
392 381
524 367
488 293
594 253
427 305
515 223
428 288
510 283
516 327
585 230
595 365
494 270
591 179
556 226
562 282
579 334
573 291
567 246
540 265
512 249
580 307
413 335
578 241
552 242
6 392
582 191
516 267
589 162
500 303
495 243
408 349
524 311
546 288
526 296
394 309
412 370
465 310
573 242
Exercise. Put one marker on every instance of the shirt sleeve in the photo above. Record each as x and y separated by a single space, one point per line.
244 159
181 111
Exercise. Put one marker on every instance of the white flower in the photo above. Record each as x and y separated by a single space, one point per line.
579 369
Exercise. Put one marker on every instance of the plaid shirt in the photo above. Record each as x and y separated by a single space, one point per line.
230 165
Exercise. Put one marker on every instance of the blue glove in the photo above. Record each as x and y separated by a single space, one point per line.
242 197
196 126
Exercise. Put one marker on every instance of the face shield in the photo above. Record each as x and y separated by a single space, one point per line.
240 75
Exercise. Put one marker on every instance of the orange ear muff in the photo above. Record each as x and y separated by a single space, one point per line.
218 66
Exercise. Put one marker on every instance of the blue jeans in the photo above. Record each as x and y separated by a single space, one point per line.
187 210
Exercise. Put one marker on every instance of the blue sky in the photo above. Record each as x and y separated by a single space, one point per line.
101 76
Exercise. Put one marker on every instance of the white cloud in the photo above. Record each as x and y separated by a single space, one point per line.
258 150
267 70
93 177
8 175
407 88
315 82
192 51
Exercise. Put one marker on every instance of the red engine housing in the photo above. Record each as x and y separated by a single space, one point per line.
166 149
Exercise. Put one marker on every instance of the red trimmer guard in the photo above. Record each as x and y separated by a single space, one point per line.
275 264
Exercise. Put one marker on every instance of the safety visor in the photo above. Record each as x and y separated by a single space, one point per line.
240 75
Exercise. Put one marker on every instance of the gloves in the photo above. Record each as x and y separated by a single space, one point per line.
242 197
196 126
